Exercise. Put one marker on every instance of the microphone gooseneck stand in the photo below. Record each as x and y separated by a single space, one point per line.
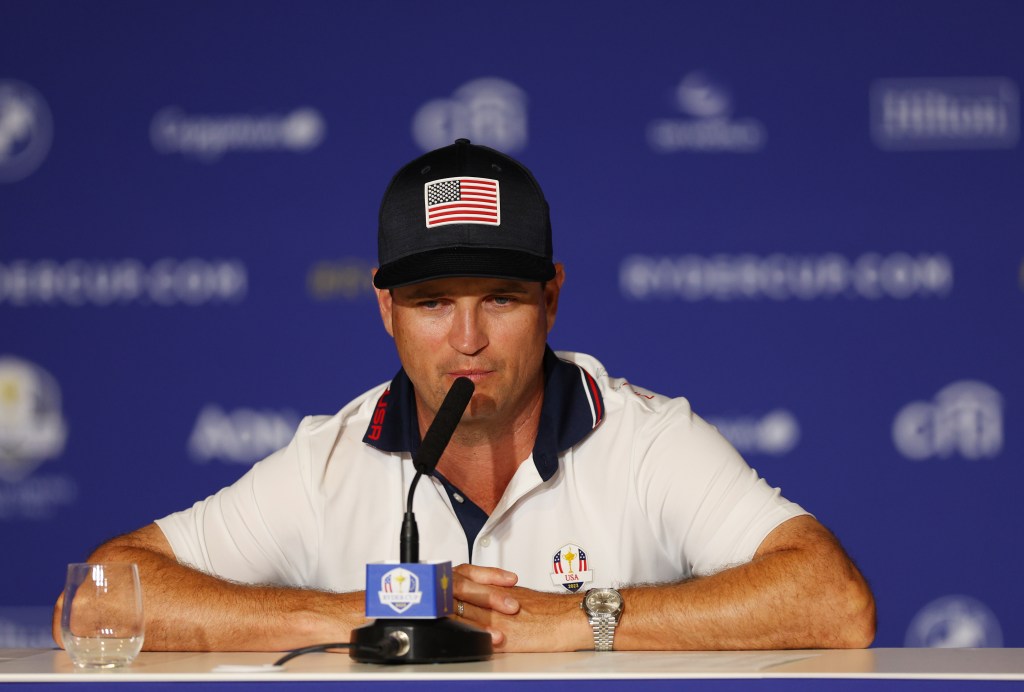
410 640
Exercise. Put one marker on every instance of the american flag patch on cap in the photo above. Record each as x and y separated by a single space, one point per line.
462 200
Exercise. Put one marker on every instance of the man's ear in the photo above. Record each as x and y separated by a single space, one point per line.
552 289
385 304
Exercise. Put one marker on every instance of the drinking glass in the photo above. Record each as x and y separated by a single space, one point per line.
101 620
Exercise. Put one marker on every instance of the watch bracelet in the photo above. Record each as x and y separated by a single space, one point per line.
604 633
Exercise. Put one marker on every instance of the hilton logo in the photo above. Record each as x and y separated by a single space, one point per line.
968 113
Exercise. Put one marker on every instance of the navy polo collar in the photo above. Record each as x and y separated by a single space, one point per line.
572 408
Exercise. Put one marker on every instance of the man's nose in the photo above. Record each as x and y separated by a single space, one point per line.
468 333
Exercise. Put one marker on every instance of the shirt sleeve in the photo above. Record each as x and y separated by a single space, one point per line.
261 529
709 508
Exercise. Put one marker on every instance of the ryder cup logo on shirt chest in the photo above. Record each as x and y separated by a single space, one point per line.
569 567
462 200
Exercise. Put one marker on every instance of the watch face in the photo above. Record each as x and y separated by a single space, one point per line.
603 601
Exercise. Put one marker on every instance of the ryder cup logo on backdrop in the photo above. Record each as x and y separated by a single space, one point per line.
26 130
32 427
954 622
708 126
489 111
209 137
965 418
399 589
953 113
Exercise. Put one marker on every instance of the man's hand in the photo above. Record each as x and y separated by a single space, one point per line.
520 619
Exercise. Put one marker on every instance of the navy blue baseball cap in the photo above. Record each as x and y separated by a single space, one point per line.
463 210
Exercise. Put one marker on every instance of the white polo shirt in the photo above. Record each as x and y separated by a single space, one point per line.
624 486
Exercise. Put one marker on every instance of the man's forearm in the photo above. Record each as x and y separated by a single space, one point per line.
799 591
187 610
773 602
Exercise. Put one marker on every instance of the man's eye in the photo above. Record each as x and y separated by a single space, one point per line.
503 300
430 304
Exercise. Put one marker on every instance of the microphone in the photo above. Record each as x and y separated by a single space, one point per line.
439 434
423 634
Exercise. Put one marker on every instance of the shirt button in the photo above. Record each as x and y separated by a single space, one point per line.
458 498
485 542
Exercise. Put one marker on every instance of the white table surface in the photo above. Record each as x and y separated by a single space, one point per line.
40 665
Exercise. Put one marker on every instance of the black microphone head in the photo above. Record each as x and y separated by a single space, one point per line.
441 430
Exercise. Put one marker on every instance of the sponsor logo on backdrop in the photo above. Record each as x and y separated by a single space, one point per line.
344 279
954 113
774 434
32 425
707 124
208 137
101 283
782 277
32 431
239 436
26 130
955 622
965 418
26 627
489 111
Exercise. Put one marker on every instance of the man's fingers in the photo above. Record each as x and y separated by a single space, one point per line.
487 575
479 617
491 592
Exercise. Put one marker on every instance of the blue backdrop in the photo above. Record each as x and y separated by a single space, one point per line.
803 216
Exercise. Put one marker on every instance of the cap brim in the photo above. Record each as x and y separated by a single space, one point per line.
464 261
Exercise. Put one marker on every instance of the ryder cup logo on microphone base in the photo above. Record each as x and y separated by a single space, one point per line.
409 590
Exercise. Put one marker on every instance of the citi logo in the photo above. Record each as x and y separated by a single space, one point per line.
964 419
488 110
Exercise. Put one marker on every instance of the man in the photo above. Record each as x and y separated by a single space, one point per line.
560 480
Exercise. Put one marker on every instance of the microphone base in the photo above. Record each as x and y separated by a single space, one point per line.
420 641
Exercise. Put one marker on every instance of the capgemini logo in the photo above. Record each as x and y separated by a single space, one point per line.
26 130
488 111
964 418
209 137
